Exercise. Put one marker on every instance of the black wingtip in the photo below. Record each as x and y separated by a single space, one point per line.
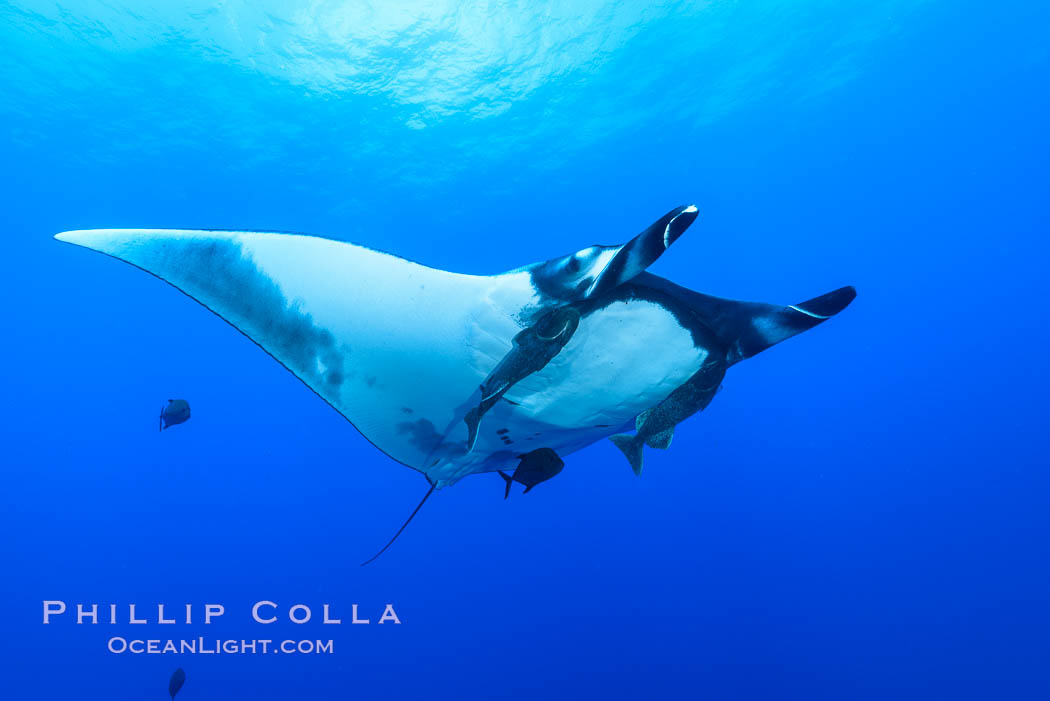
830 304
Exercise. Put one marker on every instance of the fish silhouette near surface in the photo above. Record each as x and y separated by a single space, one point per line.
176 412
178 678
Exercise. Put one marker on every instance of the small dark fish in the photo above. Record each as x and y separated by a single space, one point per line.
535 467
176 412
178 678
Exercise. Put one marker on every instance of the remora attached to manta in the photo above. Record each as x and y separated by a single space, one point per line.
454 374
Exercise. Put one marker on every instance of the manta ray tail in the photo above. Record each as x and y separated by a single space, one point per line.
631 447
403 526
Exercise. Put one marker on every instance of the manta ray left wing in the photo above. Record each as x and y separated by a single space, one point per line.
381 339
397 348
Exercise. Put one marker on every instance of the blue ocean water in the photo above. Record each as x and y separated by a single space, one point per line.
861 513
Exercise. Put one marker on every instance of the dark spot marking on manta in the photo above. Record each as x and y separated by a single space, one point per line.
254 304
422 434
406 409
370 381
503 431
601 425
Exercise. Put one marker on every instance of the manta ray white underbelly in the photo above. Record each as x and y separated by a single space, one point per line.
406 352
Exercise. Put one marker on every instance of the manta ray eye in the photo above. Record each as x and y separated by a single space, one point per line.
573 265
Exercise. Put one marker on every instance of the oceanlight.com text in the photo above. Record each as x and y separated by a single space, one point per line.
213 646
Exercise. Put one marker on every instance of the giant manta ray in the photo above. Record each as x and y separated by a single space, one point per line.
454 374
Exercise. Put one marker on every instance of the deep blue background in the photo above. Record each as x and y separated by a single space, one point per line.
862 513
